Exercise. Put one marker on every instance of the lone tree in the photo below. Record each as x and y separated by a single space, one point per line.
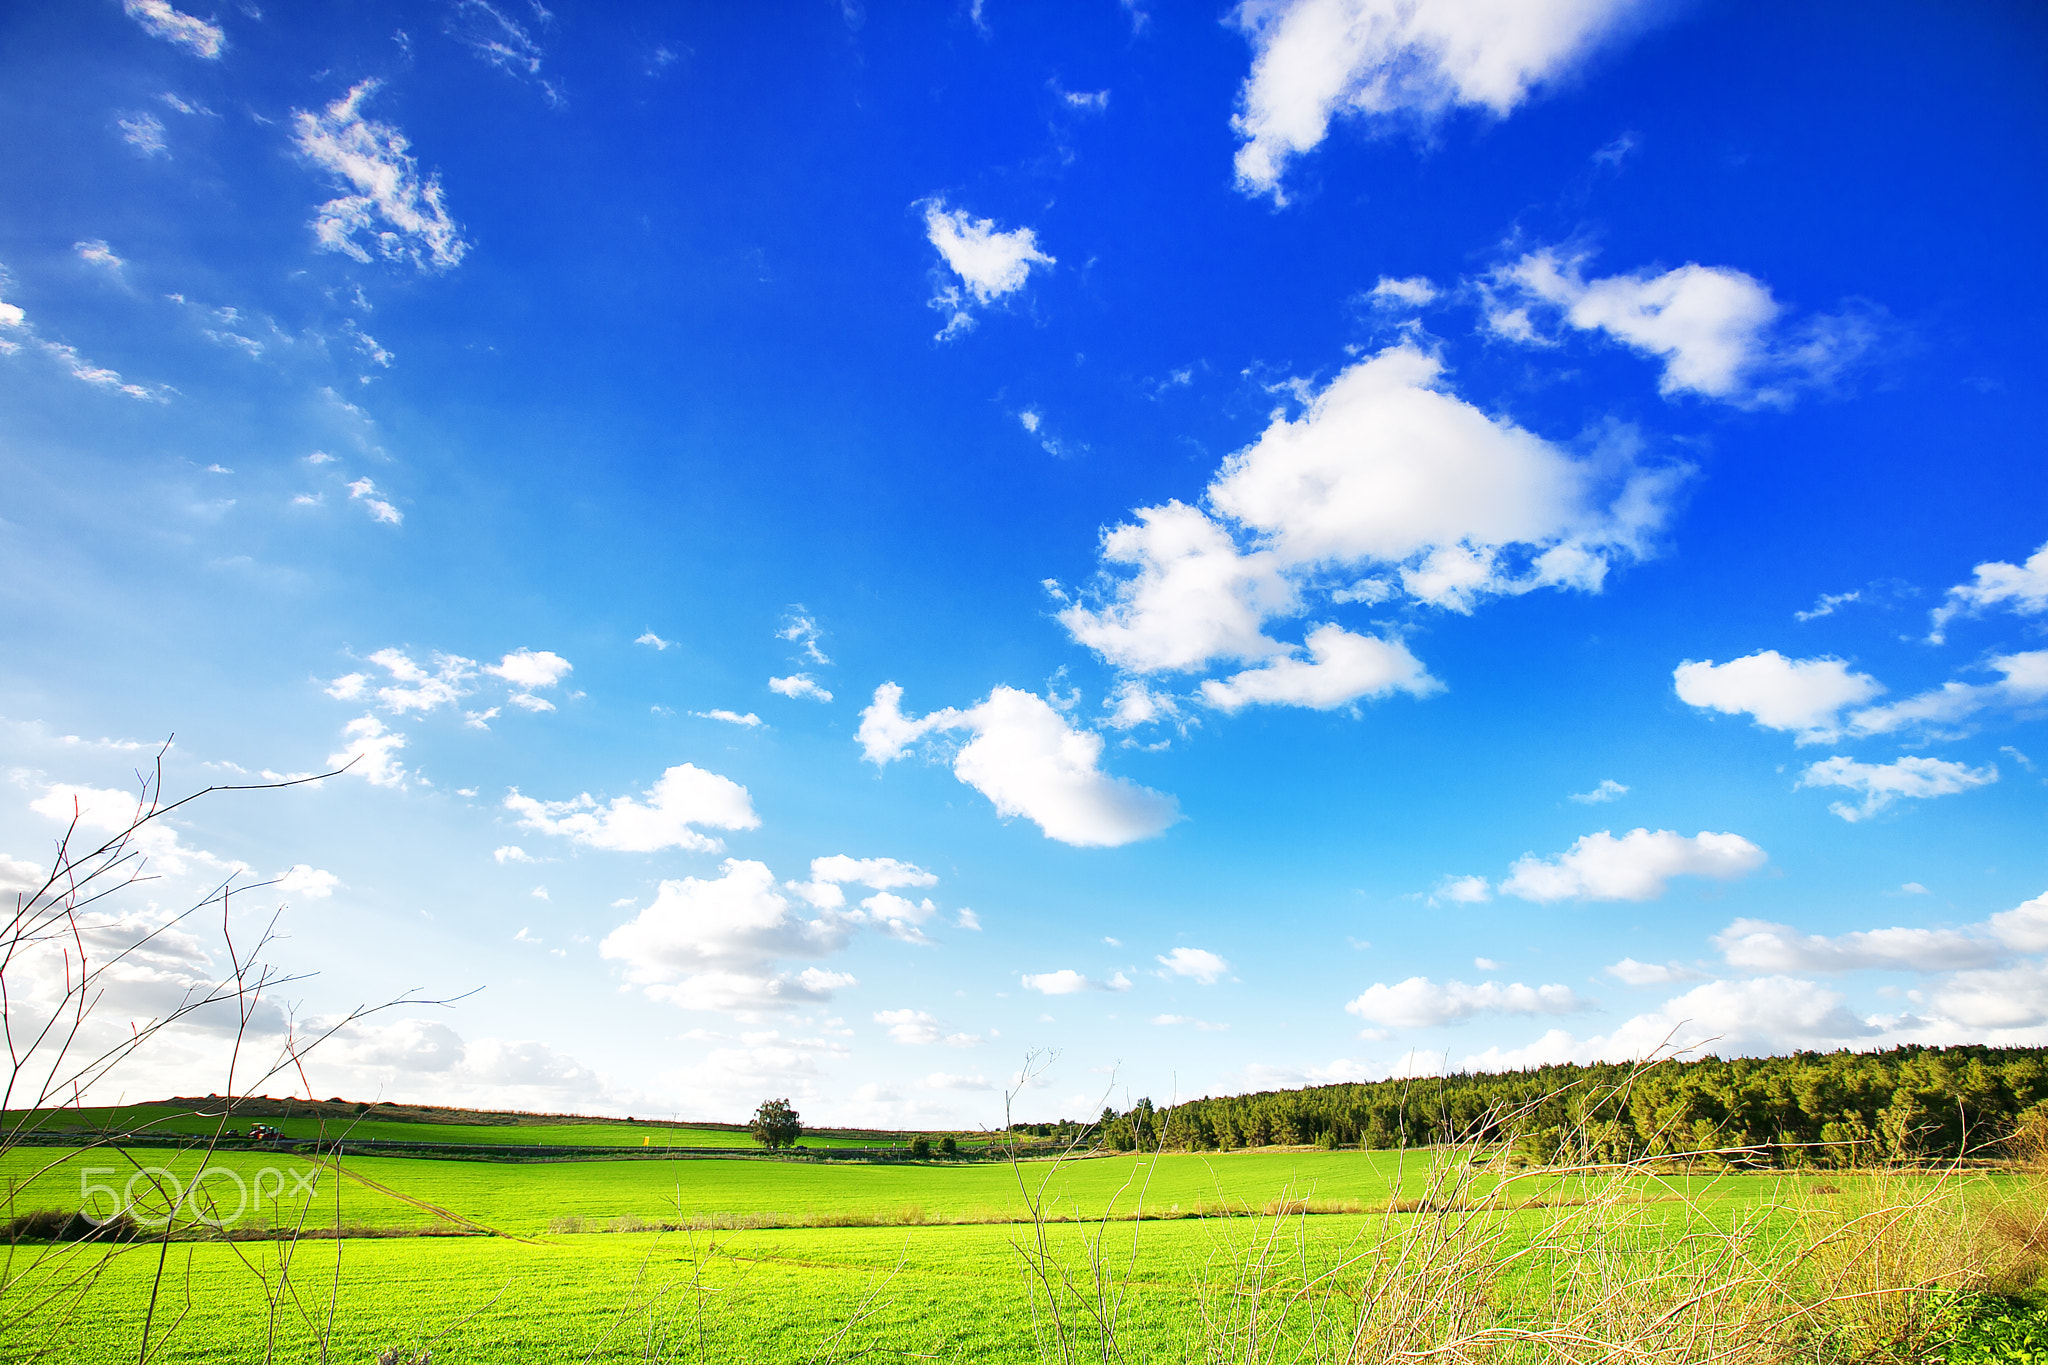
776 1125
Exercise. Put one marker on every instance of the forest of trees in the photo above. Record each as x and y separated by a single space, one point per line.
1832 1109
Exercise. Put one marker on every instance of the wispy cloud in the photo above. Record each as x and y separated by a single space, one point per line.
393 209
159 20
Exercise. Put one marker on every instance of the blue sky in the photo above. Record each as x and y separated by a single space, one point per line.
1245 546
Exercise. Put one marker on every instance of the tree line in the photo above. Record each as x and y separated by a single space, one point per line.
1834 1109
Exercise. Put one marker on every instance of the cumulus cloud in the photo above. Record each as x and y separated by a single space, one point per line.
18 876
1936 712
1760 1014
1414 292
714 943
159 20
1028 760
798 685
528 669
1635 867
1805 696
988 264
1759 945
1385 469
303 879
749 720
392 210
1420 1002
106 811
371 752
1883 783
2019 588
1385 466
1341 668
1198 964
1379 59
1193 598
1067 981
648 637
682 797
1463 890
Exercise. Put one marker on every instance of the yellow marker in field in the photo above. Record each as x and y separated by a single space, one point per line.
644 1141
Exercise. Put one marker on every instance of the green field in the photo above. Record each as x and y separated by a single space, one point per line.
167 1121
733 1292
727 1259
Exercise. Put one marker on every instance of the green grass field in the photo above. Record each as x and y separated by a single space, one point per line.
774 1261
168 1121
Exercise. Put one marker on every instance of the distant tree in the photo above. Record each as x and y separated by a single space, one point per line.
920 1147
776 1125
948 1147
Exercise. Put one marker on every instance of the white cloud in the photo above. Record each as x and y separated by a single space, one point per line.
1463 890
379 508
1714 327
512 853
713 944
1827 604
100 254
159 20
799 685
1635 867
648 637
2020 588
527 669
1608 790
1883 783
1030 761
1132 704
498 40
1415 292
946 1080
1761 1015
18 876
2025 683
750 720
2007 998
684 796
308 881
967 919
1342 668
106 811
1419 1002
829 874
1634 973
1197 963
144 132
525 701
1382 58
14 324
1384 466
1067 981
1757 945
1193 598
412 688
989 264
371 752
1710 325
897 916
393 210
800 630
1806 696
918 1029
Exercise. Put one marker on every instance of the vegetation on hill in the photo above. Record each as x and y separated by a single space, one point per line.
1836 1109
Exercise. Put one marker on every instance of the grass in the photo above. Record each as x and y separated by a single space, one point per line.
169 1121
1252 1257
